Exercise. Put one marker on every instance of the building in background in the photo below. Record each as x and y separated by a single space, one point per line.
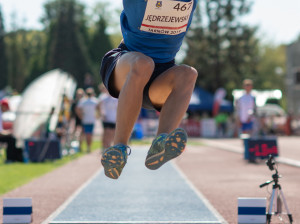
293 77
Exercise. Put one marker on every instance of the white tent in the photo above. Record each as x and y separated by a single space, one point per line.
38 99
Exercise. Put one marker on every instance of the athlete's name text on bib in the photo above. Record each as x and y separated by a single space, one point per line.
167 19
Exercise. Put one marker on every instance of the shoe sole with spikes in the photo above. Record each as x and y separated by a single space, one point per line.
175 144
113 162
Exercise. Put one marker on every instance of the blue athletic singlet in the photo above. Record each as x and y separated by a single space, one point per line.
156 27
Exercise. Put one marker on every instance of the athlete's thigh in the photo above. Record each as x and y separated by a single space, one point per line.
124 66
161 87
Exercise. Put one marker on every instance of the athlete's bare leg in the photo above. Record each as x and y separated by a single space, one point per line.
173 90
131 74
89 140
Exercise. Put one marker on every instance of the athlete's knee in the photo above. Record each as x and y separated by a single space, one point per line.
142 67
190 73
187 75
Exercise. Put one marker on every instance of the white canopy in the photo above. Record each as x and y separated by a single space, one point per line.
43 94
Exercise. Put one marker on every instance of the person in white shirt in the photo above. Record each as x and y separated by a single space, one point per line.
108 110
87 109
246 108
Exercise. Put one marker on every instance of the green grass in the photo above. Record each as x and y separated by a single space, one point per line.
14 175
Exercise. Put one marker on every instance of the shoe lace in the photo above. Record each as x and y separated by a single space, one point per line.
125 150
128 150
159 141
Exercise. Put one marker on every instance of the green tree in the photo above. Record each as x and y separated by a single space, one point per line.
100 42
271 69
220 47
22 50
3 57
25 56
17 55
36 47
104 32
17 60
67 38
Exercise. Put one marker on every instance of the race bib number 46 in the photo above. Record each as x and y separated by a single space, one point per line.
166 16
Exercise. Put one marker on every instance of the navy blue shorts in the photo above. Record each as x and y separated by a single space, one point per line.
247 126
108 64
108 125
88 128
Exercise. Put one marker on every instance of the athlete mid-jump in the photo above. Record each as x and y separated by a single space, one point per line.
142 72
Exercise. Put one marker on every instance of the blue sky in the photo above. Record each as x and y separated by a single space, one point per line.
278 20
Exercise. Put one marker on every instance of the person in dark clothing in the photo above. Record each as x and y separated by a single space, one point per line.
79 95
13 154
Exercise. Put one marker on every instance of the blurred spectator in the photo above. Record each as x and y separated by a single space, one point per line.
108 111
246 108
263 128
4 107
63 125
13 154
87 109
48 123
231 126
77 131
221 122
88 81
288 124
